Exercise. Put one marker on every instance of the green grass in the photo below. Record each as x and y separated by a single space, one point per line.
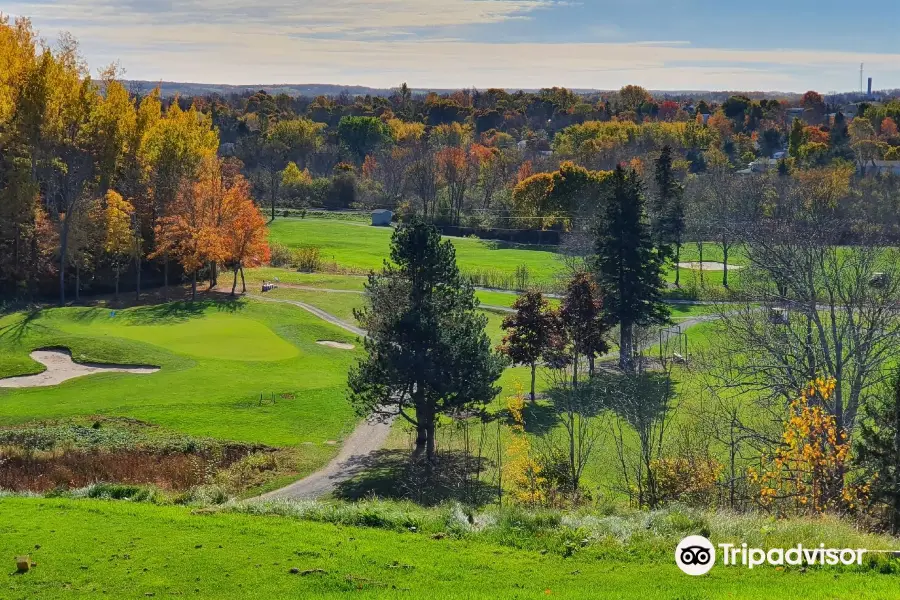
215 358
363 247
97 549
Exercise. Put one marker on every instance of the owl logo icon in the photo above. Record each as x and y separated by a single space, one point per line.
695 555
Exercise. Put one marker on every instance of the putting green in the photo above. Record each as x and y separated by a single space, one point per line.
216 361
216 336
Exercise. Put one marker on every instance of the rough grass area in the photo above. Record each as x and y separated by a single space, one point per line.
216 359
95 549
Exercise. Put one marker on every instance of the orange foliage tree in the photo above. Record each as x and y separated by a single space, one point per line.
191 229
244 232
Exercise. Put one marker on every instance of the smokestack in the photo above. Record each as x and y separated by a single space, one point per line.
870 86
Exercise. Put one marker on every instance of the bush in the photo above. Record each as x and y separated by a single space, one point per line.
308 259
281 255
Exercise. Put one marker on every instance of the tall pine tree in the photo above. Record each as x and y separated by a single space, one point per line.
878 452
427 350
668 210
628 267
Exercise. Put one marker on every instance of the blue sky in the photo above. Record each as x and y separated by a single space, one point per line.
794 45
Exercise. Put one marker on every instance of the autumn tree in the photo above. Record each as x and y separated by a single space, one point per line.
806 472
530 332
455 172
191 231
245 233
582 323
119 232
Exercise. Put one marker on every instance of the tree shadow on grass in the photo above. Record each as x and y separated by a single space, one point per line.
19 328
180 311
396 475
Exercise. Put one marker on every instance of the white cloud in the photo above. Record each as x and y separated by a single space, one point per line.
366 43
315 17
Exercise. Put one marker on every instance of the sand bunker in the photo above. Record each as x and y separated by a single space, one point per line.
708 266
338 345
61 367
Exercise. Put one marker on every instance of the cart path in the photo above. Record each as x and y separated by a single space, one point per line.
370 435
357 450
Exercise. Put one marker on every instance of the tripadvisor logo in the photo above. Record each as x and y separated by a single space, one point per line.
696 555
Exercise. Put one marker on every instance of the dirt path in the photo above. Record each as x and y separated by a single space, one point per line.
61 367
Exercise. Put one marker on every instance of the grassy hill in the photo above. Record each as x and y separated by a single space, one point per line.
104 549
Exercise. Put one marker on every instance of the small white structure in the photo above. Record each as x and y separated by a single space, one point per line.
382 217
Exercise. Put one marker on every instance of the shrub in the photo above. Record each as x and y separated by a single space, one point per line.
308 259
281 255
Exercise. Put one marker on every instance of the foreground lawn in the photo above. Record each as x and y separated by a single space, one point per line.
216 360
97 549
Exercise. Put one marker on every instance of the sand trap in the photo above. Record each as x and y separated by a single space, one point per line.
338 345
708 266
61 367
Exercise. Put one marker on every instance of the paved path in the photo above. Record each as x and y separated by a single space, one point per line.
357 450
370 435
355 456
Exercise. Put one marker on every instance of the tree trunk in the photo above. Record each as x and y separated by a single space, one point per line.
895 520
431 447
533 373
626 350
63 247
193 286
243 283
234 285
700 248
677 269
421 422
725 265
166 275
137 284
77 282
117 283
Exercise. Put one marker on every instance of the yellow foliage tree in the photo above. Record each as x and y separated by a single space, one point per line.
806 474
522 470
120 239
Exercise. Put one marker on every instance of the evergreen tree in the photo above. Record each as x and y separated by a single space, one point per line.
427 350
796 139
530 332
668 210
627 266
878 451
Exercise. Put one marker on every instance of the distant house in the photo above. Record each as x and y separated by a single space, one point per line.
794 113
382 218
761 165
882 167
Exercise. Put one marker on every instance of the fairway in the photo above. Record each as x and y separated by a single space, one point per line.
363 248
216 360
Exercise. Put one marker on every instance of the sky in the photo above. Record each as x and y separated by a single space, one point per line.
790 46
